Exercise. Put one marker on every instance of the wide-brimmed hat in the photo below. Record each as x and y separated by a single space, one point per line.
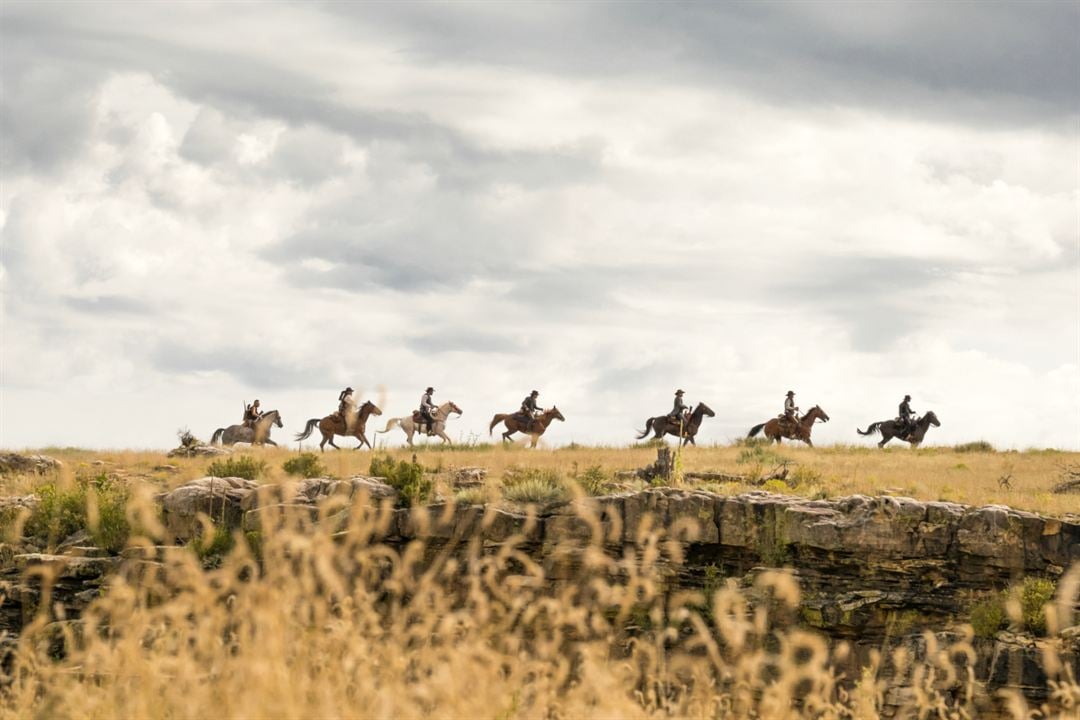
790 392
430 389
907 397
535 392
348 389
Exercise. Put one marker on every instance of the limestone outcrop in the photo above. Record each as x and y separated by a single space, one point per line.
17 463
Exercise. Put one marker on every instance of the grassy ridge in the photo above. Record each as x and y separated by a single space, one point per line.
966 474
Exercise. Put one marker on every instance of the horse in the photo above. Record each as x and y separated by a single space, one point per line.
410 425
242 433
890 429
775 429
332 425
663 425
515 423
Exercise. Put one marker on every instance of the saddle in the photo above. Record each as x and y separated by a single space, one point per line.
421 424
524 419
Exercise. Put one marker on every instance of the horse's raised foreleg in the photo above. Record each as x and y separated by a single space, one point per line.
506 435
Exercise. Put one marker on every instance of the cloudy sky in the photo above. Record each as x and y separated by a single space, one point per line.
204 203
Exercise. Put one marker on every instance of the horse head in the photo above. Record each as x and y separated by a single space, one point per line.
703 409
554 414
277 418
450 407
370 408
931 418
816 412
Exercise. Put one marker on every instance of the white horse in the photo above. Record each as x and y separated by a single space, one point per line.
411 423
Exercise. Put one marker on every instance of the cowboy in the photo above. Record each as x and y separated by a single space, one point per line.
529 408
907 415
344 402
427 411
791 412
251 414
679 410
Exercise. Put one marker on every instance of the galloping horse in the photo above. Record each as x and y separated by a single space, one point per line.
663 425
775 430
332 425
515 423
242 433
410 425
890 429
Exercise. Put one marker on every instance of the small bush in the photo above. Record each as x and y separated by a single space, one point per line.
306 465
534 485
408 478
988 616
537 490
217 545
244 466
471 496
594 481
64 511
1035 594
760 455
980 446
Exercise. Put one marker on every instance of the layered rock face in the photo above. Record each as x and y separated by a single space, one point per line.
874 572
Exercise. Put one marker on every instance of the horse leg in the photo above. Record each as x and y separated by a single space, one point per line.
330 439
535 439
506 435
268 441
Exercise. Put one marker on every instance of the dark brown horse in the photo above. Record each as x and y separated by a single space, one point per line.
663 425
890 429
775 429
516 423
332 425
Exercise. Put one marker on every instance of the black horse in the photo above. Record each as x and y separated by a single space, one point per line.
890 429
663 425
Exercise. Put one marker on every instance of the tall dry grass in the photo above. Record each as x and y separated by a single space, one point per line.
328 620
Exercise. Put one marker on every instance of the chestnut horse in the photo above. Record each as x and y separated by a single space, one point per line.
775 429
890 429
242 433
663 425
515 423
332 425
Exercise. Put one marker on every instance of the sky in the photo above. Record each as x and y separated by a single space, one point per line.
204 203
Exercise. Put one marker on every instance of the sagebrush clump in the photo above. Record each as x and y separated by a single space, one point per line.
243 466
407 477
306 465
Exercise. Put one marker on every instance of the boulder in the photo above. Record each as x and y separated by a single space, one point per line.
16 463
221 499
200 451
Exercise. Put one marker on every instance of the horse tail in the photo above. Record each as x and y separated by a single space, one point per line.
307 430
216 439
390 425
495 421
755 430
876 427
647 430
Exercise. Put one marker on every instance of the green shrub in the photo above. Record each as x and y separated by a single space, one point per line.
244 466
408 478
536 490
307 465
64 511
980 446
988 616
1035 594
217 545
594 481
471 496
534 485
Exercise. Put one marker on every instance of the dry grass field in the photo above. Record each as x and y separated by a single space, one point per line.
321 620
970 476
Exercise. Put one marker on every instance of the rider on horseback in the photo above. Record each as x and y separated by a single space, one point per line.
529 409
906 415
427 411
680 410
251 414
344 401
791 411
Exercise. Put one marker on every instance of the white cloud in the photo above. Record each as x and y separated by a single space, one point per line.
237 220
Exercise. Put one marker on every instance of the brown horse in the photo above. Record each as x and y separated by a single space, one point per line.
662 425
775 429
516 423
890 429
332 425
